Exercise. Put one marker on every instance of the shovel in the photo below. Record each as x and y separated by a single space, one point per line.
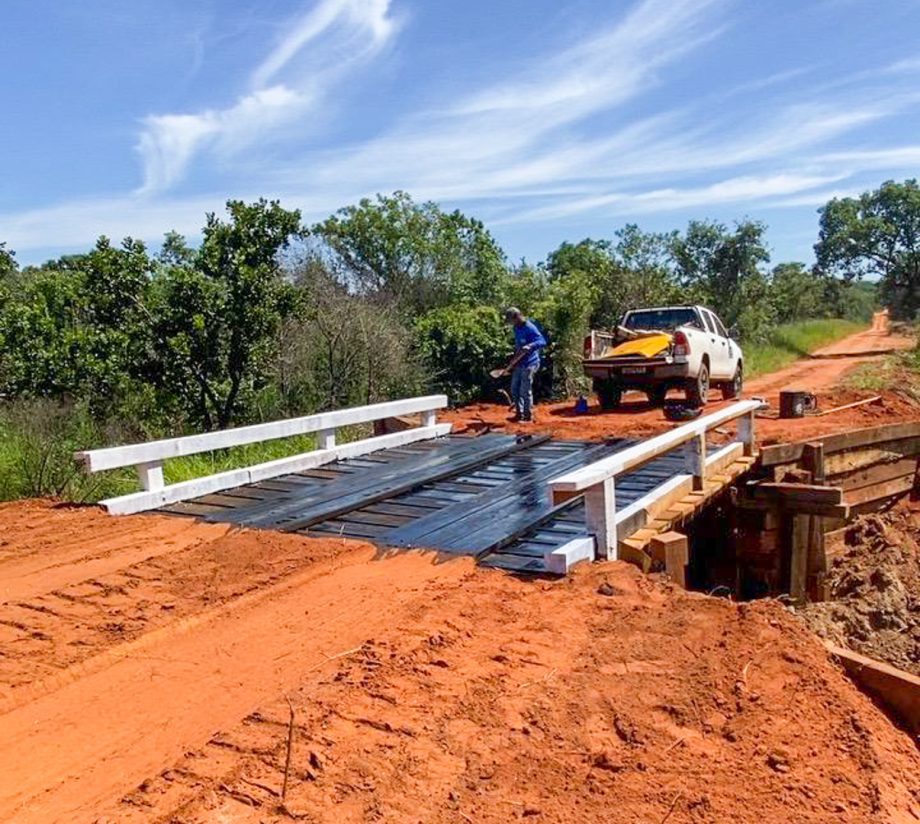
502 371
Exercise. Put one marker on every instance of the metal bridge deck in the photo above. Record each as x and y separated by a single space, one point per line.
484 496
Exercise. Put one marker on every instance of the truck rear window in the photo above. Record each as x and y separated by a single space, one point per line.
661 319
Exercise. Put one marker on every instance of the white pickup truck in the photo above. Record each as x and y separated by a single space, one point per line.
654 350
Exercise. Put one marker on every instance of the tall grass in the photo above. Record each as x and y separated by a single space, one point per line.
38 439
789 342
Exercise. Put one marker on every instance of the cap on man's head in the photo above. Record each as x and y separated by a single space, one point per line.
513 313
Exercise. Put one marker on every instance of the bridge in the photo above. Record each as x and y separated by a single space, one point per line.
528 504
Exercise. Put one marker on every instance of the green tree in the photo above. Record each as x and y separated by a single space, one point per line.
721 268
876 235
77 326
414 254
216 318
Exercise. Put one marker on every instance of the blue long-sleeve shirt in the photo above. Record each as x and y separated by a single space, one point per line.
527 334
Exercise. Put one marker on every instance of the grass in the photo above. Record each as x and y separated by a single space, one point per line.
38 439
899 371
792 341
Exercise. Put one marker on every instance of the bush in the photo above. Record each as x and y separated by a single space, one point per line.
461 344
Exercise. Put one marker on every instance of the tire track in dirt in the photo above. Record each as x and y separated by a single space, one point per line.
88 740
46 548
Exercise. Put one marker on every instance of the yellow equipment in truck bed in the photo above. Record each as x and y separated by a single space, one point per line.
648 346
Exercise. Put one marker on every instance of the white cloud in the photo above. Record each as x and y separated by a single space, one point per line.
341 34
169 142
368 26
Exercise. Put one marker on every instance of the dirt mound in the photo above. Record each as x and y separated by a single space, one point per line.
874 586
507 700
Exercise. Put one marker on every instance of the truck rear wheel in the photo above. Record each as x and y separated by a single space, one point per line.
608 393
698 390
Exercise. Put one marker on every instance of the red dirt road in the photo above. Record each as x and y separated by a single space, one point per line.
423 691
820 374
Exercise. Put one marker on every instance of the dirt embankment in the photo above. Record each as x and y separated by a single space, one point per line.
821 375
422 690
874 585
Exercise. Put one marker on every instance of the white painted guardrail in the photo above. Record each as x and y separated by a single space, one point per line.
596 481
148 458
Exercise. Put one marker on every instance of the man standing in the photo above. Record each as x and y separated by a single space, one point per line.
528 341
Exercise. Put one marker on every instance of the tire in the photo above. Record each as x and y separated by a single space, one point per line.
733 390
608 393
657 395
698 390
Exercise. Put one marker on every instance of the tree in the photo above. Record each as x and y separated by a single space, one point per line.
414 254
721 268
876 235
77 326
216 318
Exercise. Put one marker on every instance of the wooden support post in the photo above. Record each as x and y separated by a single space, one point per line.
429 417
746 433
600 514
151 475
325 439
673 550
695 456
816 565
798 527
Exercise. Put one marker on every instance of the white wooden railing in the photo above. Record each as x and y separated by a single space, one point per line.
597 483
148 458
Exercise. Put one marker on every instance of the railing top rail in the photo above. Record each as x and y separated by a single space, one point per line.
587 476
113 457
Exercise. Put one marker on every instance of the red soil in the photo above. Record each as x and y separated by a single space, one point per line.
423 691
820 375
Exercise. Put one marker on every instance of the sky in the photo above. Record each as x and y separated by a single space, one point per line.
549 121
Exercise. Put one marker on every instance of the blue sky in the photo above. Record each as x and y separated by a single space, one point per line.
550 121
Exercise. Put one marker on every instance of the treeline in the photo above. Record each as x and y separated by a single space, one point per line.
267 317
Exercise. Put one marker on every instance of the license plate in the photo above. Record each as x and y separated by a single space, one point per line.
633 370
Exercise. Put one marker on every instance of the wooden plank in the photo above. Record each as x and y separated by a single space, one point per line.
792 452
860 498
795 493
874 475
113 457
885 452
141 501
816 565
897 689
798 526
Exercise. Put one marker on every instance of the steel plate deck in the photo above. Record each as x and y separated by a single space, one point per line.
483 496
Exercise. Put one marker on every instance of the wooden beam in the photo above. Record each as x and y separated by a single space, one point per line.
673 550
798 528
792 452
816 572
113 457
860 498
795 493
141 501
897 690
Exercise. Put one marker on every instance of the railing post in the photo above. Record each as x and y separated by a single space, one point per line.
746 432
325 438
695 456
600 516
429 417
151 475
